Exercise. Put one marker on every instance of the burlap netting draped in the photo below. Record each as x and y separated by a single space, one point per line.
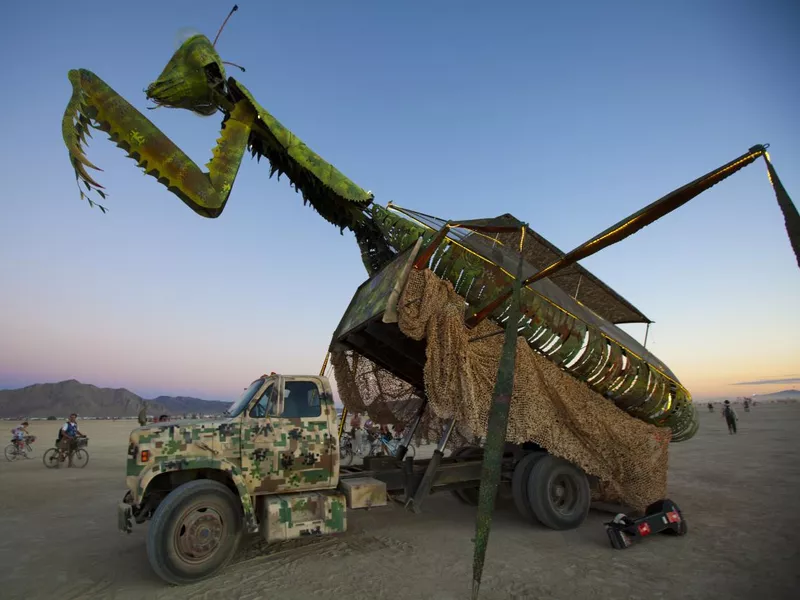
549 407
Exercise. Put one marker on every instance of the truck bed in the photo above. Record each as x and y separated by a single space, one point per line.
558 327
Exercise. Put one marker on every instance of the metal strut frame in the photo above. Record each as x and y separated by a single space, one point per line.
424 488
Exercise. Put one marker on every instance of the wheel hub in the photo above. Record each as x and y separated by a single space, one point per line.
199 535
563 494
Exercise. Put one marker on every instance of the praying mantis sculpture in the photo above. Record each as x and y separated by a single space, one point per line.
194 79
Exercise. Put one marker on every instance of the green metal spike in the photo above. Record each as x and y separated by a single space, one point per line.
496 436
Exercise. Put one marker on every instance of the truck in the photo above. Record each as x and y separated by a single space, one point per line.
271 466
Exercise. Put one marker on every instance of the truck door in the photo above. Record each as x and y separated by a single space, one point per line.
286 441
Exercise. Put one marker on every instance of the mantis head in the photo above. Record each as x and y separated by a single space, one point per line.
194 78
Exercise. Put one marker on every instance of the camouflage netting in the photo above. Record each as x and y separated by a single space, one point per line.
549 407
366 388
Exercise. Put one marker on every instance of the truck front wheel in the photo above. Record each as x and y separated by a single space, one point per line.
194 532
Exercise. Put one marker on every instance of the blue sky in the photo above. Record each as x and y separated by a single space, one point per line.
569 116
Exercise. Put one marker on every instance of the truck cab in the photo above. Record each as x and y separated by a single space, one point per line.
270 465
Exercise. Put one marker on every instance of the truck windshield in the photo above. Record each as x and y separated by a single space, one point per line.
239 405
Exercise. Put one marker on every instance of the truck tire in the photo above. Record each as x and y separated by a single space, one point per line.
194 532
559 493
519 483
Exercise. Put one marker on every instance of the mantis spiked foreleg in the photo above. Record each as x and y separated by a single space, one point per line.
95 104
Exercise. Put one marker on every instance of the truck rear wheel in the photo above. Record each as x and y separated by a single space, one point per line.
558 492
519 483
194 532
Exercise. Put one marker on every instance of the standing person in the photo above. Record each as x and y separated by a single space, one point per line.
355 426
143 415
710 407
730 417
355 423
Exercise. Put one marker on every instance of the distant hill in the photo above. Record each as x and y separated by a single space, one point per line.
60 399
784 395
180 405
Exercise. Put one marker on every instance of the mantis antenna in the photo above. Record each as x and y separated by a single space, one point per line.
225 62
225 22
233 10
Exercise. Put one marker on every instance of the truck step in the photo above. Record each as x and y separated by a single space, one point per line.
290 516
363 492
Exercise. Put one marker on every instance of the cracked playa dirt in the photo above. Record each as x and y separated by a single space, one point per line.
739 494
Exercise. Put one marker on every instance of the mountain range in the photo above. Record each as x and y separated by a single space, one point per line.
60 399
783 395
65 397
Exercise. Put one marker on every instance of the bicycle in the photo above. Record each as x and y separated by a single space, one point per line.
379 445
76 456
346 449
15 450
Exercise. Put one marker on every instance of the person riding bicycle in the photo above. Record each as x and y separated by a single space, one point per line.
68 436
19 435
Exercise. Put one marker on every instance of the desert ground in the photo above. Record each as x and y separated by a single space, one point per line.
738 493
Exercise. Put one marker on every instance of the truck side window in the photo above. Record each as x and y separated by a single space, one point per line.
300 400
263 408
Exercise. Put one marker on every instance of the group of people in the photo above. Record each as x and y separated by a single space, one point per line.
68 435
370 430
142 417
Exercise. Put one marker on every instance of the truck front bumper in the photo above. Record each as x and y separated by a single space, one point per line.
125 514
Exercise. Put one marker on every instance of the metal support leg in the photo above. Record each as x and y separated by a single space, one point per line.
409 435
446 437
424 488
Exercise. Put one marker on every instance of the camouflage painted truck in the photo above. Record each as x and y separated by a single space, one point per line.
269 466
